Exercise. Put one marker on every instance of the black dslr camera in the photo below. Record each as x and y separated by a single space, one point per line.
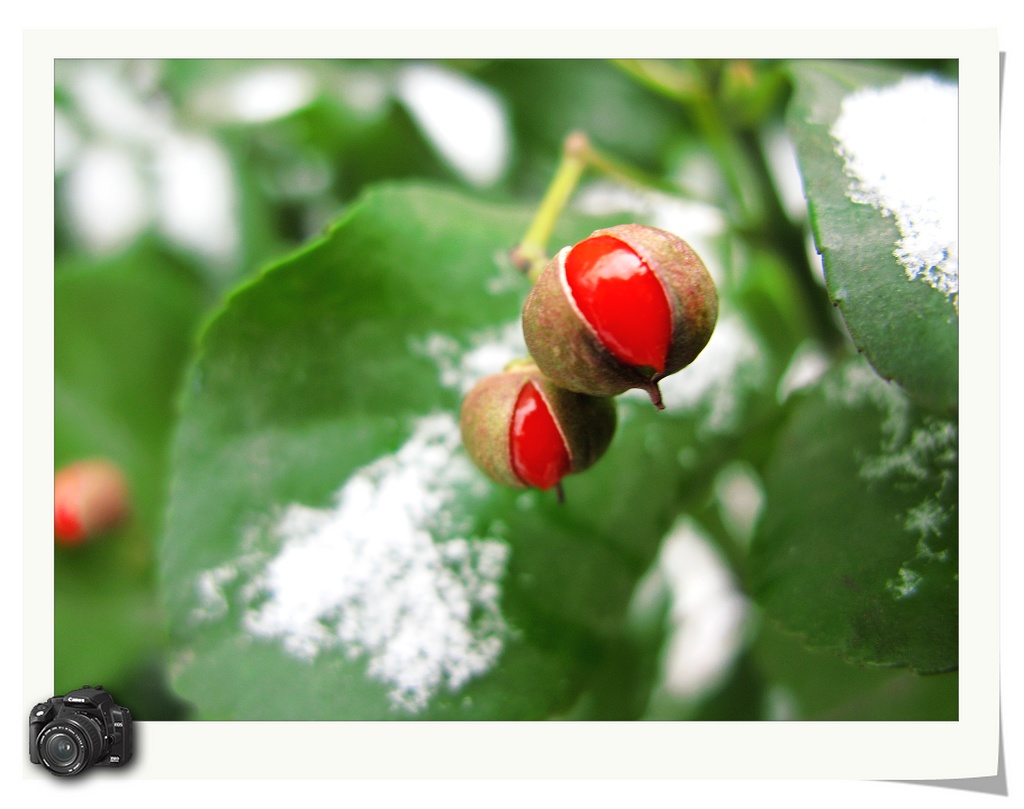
69 734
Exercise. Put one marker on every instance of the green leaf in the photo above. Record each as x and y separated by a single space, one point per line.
906 328
122 333
329 551
857 549
813 684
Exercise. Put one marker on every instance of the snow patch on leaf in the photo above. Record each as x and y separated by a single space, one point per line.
260 94
808 364
907 584
858 385
922 456
916 456
899 147
211 591
709 612
465 120
391 573
741 499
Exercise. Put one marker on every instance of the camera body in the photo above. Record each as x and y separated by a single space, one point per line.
83 728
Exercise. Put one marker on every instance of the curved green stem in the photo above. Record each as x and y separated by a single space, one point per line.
531 253
624 173
578 155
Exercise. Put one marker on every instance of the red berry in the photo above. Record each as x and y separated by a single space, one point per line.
622 309
522 430
539 455
90 498
67 528
622 300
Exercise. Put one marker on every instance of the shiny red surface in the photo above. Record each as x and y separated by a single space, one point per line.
539 455
66 526
622 299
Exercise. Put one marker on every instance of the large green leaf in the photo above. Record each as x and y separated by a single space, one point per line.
122 333
858 546
330 552
906 328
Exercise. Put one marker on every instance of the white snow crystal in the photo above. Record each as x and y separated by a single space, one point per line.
366 576
899 145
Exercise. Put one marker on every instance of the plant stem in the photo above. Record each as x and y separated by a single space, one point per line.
630 175
578 155
720 140
531 253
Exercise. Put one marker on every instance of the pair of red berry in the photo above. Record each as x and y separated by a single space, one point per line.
621 309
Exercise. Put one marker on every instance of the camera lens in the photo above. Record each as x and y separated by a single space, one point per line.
61 749
69 745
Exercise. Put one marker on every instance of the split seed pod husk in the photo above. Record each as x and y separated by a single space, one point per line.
586 423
